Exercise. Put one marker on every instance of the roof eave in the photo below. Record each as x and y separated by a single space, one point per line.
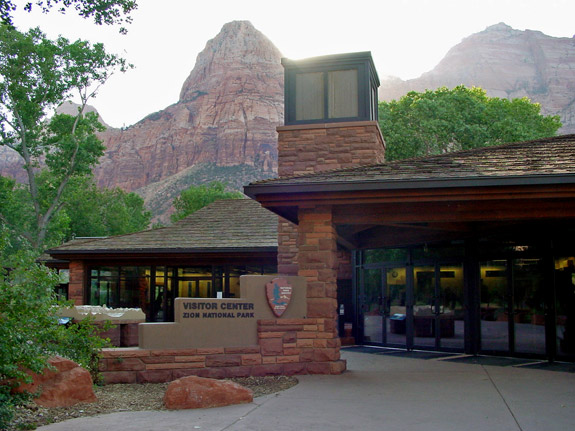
254 190
164 251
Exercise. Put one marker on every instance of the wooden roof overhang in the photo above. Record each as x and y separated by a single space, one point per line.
398 213
172 257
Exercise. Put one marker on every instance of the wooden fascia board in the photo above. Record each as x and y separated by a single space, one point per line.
303 200
376 238
432 205
127 255
456 211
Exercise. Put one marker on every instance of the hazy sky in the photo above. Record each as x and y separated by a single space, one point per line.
406 37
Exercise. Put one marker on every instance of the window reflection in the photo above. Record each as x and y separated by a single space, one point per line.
154 288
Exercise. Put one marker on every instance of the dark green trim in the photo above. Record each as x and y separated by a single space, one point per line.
367 82
272 188
171 251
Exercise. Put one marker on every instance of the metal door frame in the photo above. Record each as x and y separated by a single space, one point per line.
409 301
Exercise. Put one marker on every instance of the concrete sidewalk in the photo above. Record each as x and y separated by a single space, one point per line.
384 393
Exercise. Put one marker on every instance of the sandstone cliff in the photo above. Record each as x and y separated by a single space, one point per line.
506 63
229 108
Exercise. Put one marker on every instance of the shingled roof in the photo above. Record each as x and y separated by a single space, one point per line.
546 161
228 225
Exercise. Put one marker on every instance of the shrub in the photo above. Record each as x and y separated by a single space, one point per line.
29 328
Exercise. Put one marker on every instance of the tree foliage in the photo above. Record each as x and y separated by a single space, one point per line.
86 211
197 197
435 122
108 12
37 76
29 329
103 212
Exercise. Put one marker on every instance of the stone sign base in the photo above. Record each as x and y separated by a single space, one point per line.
285 347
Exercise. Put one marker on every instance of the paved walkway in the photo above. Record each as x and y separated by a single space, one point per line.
383 392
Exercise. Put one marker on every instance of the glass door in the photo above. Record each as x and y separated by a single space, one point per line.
438 313
451 310
564 322
372 307
395 306
413 306
528 306
385 306
494 309
513 306
424 306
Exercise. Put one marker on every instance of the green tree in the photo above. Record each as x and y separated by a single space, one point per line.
109 12
86 211
17 213
435 122
29 329
197 197
38 75
103 212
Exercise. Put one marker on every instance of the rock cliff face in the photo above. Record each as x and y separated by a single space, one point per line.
506 63
229 108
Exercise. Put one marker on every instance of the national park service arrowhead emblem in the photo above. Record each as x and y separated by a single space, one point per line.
278 292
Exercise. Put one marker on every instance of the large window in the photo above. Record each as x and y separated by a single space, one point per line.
120 287
335 90
154 288
330 89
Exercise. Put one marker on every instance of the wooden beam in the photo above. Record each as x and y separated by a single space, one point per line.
389 237
455 212
346 243
356 197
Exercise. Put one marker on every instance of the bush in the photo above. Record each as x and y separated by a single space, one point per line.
29 328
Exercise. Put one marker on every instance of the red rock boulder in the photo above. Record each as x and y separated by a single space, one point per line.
64 386
197 392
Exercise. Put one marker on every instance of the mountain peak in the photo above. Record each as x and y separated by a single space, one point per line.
238 45
507 63
499 27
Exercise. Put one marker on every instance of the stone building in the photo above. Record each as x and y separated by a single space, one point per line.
468 252
201 256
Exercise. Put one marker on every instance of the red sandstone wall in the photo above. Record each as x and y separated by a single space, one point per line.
76 283
305 149
286 347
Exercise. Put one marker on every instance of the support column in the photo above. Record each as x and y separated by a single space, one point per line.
310 148
76 283
318 263
287 248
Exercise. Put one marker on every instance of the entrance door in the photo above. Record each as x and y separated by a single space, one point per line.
564 322
396 307
438 307
384 306
413 307
528 306
372 306
513 307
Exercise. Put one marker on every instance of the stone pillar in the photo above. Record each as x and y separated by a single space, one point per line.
287 247
318 263
310 148
76 283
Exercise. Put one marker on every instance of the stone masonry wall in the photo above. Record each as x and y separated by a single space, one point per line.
305 149
286 347
76 283
287 247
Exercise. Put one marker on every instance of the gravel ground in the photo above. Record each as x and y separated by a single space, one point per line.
129 397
